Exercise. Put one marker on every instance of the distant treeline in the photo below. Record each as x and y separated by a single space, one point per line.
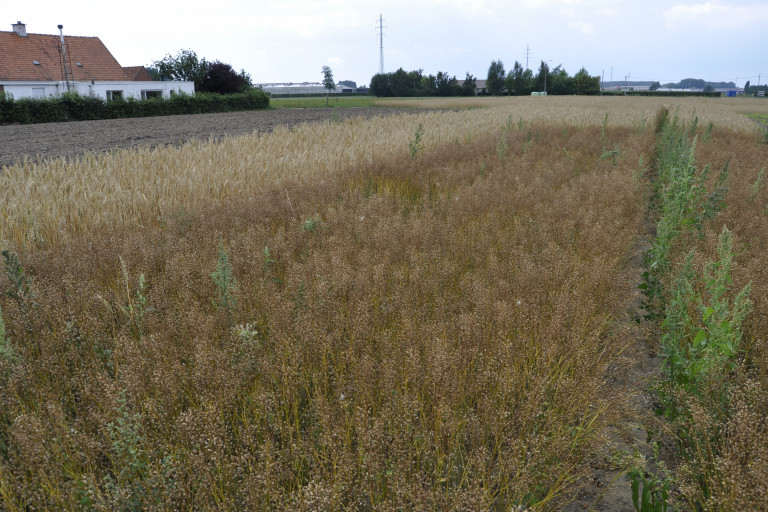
754 89
74 107
521 82
699 83
518 82
403 83
685 83
705 94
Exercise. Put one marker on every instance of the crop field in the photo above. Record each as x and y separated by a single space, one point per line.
333 101
54 140
495 304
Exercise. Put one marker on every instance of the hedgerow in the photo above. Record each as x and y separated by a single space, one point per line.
75 107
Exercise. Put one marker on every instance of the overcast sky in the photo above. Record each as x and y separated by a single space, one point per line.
290 40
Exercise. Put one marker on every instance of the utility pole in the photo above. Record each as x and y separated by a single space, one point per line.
527 55
381 28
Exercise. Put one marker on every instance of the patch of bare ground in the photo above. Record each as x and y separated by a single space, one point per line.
51 140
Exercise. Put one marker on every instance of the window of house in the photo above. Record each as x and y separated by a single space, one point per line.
38 92
114 95
151 94
2 88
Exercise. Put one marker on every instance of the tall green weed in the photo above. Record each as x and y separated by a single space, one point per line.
683 204
702 331
6 349
224 280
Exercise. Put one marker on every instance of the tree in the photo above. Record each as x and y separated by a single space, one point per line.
184 66
560 81
416 84
469 87
428 86
494 84
348 83
542 77
154 73
746 87
585 84
222 79
520 80
654 86
401 82
381 85
328 82
446 85
528 81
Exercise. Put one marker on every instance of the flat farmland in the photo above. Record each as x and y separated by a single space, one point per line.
73 139
493 304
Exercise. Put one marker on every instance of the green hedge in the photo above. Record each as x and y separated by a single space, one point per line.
74 107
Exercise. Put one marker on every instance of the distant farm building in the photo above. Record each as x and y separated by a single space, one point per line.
308 88
42 65
479 86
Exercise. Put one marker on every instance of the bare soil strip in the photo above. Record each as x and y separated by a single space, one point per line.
607 489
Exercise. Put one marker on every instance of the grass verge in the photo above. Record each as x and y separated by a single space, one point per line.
335 101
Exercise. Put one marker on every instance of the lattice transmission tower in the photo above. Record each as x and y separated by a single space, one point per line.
380 30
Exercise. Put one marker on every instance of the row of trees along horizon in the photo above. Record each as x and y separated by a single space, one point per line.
518 82
220 77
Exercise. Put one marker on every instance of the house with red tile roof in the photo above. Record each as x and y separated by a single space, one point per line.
42 65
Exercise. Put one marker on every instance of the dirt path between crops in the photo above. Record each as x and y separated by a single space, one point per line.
608 489
53 140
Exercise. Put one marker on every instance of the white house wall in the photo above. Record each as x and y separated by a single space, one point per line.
129 88
27 89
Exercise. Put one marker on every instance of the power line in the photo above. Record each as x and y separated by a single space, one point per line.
380 29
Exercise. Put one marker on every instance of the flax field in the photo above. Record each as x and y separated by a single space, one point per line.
416 312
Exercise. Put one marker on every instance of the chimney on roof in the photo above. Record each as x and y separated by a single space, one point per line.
20 29
64 55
